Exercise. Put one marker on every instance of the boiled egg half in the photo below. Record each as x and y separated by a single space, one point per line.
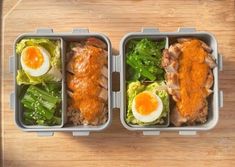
147 106
35 60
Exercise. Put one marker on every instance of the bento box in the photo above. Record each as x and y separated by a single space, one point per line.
215 100
115 99
75 35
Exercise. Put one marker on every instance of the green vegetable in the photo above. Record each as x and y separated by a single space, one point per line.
144 60
41 104
135 88
53 47
53 88
24 78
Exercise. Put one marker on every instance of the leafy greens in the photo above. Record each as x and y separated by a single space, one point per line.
41 104
144 60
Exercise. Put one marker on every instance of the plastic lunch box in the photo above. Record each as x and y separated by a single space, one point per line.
117 64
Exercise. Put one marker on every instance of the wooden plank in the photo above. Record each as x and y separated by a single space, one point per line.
108 163
116 145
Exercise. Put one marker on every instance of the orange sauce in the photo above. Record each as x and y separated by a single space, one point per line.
85 83
193 72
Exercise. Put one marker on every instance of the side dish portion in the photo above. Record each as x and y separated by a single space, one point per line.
42 104
39 77
147 97
148 104
144 60
40 61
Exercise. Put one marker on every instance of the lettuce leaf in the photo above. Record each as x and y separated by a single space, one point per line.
53 47
135 88
23 77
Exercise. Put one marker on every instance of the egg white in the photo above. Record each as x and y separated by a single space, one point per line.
42 69
153 115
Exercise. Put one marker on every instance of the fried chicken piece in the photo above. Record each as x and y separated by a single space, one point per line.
96 42
176 118
87 82
210 61
189 79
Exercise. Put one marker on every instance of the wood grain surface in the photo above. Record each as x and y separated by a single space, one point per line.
116 146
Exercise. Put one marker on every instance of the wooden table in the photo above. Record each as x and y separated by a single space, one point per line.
116 146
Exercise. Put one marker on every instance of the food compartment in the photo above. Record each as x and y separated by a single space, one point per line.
212 100
39 82
87 80
146 101
209 45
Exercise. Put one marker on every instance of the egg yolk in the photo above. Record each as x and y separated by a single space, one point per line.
33 57
145 103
